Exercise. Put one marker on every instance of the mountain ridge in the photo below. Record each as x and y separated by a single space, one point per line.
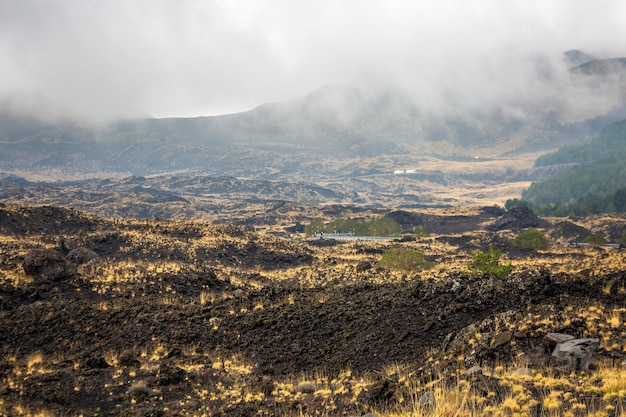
337 134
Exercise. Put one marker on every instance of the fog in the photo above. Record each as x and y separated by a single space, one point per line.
98 60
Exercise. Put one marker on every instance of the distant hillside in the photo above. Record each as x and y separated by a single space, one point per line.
575 57
169 196
337 120
592 177
609 146
344 140
603 67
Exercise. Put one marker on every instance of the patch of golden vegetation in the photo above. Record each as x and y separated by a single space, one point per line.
221 381
514 390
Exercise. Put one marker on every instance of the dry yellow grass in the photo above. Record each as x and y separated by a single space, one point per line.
336 266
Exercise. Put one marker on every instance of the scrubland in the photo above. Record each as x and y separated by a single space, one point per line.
187 318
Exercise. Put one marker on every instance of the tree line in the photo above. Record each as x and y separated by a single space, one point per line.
588 204
591 181
384 226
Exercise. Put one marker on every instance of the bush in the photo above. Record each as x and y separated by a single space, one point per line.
421 231
385 226
346 226
595 240
531 239
317 225
489 263
403 259
516 202
622 239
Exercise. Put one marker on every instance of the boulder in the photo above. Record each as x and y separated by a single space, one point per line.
553 339
576 353
501 339
48 264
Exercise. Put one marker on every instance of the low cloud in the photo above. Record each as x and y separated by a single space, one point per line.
102 60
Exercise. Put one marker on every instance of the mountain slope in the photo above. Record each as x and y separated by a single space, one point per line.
596 168
339 121
602 67
575 57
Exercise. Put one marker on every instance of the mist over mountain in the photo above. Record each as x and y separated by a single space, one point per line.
575 57
339 136
341 119
602 69
573 106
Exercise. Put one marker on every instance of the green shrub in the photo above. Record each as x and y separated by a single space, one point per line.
516 202
385 226
622 239
421 231
489 263
316 225
346 226
531 239
595 240
404 259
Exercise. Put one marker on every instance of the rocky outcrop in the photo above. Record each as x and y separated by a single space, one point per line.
516 219
48 265
568 231
572 353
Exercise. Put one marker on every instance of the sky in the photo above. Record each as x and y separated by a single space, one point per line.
97 60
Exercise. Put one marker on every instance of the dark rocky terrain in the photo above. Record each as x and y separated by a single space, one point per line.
153 317
159 267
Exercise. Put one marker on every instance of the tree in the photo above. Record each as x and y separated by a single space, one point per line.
622 239
404 259
316 225
385 226
531 239
619 200
595 240
516 202
489 263
346 226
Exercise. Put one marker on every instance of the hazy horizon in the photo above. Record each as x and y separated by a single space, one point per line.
103 60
